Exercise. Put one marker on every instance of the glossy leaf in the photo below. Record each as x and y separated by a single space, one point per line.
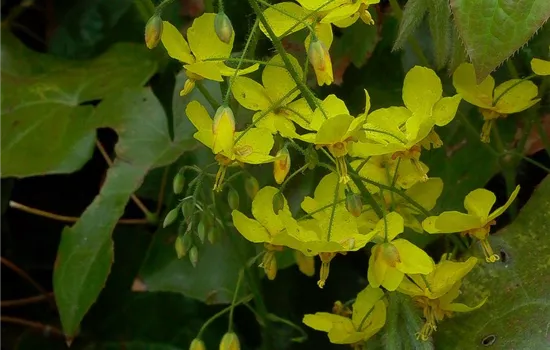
45 127
493 30
515 315
86 251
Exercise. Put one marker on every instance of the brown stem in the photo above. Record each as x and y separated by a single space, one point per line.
26 277
163 182
64 218
45 328
26 301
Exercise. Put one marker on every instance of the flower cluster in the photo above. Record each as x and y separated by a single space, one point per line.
375 185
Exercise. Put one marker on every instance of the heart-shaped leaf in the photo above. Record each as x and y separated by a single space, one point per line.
492 30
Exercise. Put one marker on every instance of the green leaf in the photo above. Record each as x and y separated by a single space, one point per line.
45 127
86 250
493 30
439 20
516 314
214 278
413 14
84 25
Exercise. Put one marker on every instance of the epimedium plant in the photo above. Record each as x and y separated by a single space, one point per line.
264 115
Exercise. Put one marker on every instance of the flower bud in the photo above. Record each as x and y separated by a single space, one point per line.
153 31
188 86
178 183
194 256
188 209
251 186
278 202
281 166
197 344
170 217
312 158
201 230
212 235
230 341
223 128
354 204
233 199
224 114
319 58
269 264
223 27
182 245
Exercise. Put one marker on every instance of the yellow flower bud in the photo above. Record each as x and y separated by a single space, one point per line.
233 199
269 264
320 60
230 341
223 114
390 254
194 256
153 31
278 202
251 186
223 27
170 217
306 264
223 128
188 86
197 344
354 204
281 166
178 183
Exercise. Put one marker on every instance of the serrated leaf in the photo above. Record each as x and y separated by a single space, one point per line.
85 253
515 315
413 14
45 127
439 20
492 30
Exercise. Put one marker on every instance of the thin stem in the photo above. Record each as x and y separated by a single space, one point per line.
151 217
320 210
246 60
27 278
45 328
68 219
472 129
508 171
356 178
363 163
243 55
302 168
237 287
146 9
300 339
26 301
204 91
297 19
306 92
221 313
511 68
411 39
160 197
529 160
333 210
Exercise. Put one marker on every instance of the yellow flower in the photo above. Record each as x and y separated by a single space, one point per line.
392 258
540 67
476 223
368 317
275 95
400 131
203 57
319 58
436 292
231 148
512 96
347 12
281 166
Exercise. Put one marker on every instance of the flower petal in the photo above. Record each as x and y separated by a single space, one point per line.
250 94
204 42
254 146
392 278
277 80
451 221
364 303
198 115
299 112
517 95
341 12
206 69
262 210
479 203
251 229
333 130
426 193
229 72
446 274
445 109
421 90
332 106
280 23
499 211
465 83
540 67
175 44
413 259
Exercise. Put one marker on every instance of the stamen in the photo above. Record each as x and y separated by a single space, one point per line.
220 175
490 256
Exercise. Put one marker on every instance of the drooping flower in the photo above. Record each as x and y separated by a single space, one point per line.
274 98
510 97
231 148
367 318
203 57
392 258
319 58
476 223
435 292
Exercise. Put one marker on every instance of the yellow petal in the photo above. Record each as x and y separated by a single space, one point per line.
322 321
454 221
426 193
198 115
499 211
175 44
446 274
413 259
342 12
334 130
206 69
277 80
254 146
346 22
280 23
331 106
464 81
229 72
445 109
223 129
540 67
204 42
364 303
515 96
262 210
394 223
306 264
392 278
250 94
252 230
367 102
458 307
421 90
299 112
377 269
377 320
324 5
479 203
410 288
323 31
